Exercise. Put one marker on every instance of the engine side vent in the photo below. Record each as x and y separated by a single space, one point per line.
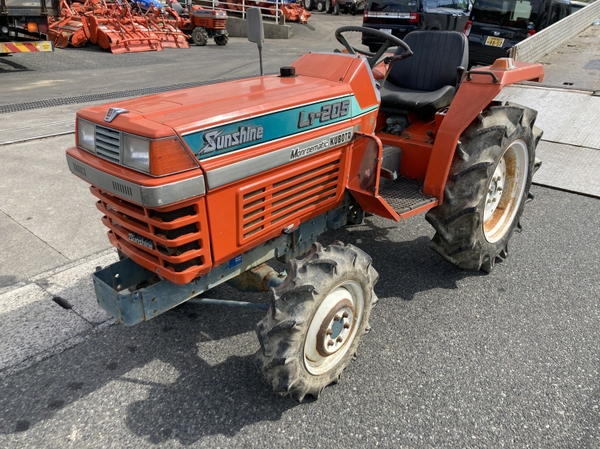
280 201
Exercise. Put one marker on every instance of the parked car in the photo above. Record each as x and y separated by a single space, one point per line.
497 25
335 6
577 5
399 17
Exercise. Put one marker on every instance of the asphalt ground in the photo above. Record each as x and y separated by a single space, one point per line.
454 359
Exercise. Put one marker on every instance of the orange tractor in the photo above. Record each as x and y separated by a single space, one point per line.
221 179
201 24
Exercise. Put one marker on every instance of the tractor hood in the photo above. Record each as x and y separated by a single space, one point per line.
243 110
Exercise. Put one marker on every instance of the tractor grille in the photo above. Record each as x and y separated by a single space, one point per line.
108 143
172 242
279 202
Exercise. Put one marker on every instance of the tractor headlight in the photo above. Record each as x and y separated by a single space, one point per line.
85 135
136 152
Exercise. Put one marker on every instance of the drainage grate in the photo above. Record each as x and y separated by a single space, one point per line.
16 107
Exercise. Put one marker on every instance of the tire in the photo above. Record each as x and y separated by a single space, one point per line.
199 36
320 6
487 187
328 7
327 294
336 9
222 39
309 4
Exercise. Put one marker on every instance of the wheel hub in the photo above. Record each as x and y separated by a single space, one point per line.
505 191
495 189
335 328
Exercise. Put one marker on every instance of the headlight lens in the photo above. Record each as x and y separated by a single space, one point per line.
85 135
136 152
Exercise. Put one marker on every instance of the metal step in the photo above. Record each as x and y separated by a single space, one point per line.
404 194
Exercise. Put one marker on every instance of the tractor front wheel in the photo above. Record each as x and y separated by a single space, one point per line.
199 36
320 6
309 4
222 39
328 7
336 9
316 320
487 187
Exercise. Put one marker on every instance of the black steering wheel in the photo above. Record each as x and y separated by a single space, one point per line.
373 58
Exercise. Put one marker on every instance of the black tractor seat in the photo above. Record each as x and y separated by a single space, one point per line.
426 81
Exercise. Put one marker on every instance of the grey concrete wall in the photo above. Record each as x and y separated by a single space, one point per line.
540 44
236 27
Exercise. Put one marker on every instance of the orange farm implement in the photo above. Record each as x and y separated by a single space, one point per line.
118 27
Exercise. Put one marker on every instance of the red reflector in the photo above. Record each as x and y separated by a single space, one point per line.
467 29
414 17
530 32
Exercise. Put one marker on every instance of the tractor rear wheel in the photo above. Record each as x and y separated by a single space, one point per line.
199 36
316 319
487 187
222 39
309 4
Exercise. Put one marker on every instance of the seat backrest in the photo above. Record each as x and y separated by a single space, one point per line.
433 65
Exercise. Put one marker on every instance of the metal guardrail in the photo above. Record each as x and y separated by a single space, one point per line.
238 8
540 44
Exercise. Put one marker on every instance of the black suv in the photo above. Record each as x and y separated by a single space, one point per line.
497 25
399 17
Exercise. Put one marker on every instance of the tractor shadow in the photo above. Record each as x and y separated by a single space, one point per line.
223 398
211 396
402 257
